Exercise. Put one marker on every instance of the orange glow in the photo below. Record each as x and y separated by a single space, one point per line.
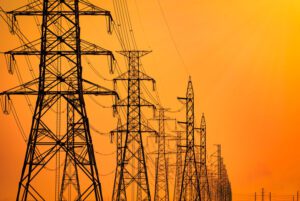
244 59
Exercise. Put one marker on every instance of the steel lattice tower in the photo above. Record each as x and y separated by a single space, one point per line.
225 183
178 176
204 185
120 146
60 82
133 169
190 183
161 176
70 178
219 172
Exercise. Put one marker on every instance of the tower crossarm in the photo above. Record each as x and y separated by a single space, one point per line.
144 129
143 103
142 77
34 9
31 88
87 48
33 49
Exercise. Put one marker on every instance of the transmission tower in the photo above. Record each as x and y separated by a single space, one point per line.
133 170
219 173
60 83
179 152
161 176
204 185
120 147
225 184
190 183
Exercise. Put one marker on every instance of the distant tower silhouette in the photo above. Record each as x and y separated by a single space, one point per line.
204 185
179 164
133 169
190 183
161 176
219 173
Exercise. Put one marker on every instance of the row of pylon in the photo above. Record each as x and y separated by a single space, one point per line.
61 81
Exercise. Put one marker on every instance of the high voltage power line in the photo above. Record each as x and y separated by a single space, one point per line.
55 84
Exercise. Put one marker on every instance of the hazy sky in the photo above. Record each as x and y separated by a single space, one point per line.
243 56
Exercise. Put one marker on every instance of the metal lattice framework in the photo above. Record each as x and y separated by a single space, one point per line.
223 182
219 173
132 176
226 185
190 183
60 82
161 176
70 178
204 184
179 164
120 146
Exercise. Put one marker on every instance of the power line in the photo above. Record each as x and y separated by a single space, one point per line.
172 37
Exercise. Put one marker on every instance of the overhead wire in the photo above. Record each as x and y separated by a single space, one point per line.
121 23
18 122
171 36
107 174
106 154
99 104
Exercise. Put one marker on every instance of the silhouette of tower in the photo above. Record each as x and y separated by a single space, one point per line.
120 146
161 176
60 84
219 173
190 183
179 152
204 185
133 169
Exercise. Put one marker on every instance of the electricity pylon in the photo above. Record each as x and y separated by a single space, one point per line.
204 185
190 183
120 147
133 169
226 187
225 183
161 173
179 165
219 173
60 83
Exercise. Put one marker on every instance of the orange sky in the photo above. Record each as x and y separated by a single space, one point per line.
243 56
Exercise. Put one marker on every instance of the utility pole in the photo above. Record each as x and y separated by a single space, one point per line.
133 169
204 185
270 196
255 196
60 83
297 195
262 194
190 183
161 173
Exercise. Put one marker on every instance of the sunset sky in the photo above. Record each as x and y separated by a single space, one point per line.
244 60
